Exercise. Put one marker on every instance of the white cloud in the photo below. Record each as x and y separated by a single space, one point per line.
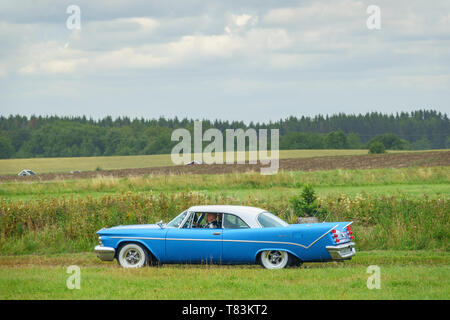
422 81
239 23
316 12
190 47
69 57
127 58
319 45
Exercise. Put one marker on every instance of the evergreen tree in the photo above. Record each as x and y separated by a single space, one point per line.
6 148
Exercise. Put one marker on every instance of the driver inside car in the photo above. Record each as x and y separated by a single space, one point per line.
212 221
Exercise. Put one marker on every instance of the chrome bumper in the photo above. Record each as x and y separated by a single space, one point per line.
343 251
105 253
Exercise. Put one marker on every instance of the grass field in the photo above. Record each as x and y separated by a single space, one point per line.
60 165
412 182
401 224
404 275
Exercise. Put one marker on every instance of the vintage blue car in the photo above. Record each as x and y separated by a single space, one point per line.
226 235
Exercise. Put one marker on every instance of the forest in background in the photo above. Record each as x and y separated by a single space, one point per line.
54 136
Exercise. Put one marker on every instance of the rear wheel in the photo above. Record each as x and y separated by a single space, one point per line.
294 261
274 259
132 255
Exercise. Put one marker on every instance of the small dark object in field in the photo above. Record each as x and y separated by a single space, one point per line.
193 163
26 172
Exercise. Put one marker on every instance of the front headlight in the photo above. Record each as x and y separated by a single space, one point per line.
100 240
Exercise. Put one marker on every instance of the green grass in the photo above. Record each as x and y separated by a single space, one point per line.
396 210
64 165
404 275
402 190
434 181
441 191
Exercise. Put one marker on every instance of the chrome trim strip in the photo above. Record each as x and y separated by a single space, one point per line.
277 242
138 238
348 224
247 241
322 236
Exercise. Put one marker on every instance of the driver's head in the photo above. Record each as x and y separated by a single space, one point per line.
211 217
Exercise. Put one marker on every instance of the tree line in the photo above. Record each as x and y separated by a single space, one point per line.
54 136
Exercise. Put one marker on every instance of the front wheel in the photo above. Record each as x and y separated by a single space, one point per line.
274 259
132 256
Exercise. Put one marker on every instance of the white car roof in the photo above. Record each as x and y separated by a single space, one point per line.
25 171
248 214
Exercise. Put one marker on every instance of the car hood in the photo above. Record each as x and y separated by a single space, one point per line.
129 227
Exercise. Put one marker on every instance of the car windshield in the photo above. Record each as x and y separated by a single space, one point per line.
269 220
175 223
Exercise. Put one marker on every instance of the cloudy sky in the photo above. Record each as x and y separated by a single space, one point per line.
239 60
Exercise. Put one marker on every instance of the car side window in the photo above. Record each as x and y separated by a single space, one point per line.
269 220
230 221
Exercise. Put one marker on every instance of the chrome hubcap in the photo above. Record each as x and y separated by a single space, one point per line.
132 256
275 257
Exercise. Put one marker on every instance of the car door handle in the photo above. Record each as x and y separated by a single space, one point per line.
216 233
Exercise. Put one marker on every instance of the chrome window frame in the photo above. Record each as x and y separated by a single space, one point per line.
189 213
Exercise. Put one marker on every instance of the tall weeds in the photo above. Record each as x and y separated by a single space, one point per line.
69 224
252 180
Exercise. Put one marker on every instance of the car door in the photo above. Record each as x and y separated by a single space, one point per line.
238 246
189 244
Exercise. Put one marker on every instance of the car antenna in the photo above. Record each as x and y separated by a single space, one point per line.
325 220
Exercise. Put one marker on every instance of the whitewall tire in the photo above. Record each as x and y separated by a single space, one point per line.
274 259
132 255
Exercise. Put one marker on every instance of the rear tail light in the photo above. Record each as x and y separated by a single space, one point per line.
350 233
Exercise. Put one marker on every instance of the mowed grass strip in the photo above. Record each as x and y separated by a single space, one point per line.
372 257
404 275
66 165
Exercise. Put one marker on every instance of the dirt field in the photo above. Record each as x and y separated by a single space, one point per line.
396 160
